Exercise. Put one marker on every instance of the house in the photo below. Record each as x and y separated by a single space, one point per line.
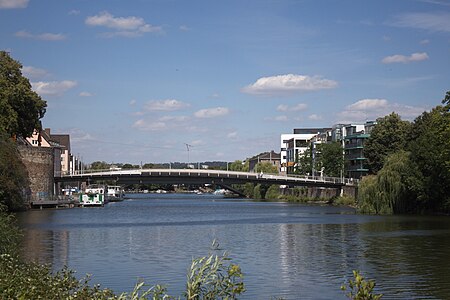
64 141
269 157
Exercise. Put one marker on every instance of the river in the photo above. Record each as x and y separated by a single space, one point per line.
288 250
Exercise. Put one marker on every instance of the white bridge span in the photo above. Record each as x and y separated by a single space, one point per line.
194 176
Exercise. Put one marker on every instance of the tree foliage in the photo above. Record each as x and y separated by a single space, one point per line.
330 158
20 107
415 174
99 165
239 166
9 232
266 168
304 163
14 183
396 188
388 136
430 149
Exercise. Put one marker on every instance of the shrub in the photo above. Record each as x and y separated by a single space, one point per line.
360 289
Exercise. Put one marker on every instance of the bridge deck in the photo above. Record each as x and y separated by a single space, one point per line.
203 176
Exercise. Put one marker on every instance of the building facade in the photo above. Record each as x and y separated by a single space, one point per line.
355 138
295 144
267 157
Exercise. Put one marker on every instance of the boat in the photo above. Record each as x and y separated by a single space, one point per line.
220 192
93 196
115 193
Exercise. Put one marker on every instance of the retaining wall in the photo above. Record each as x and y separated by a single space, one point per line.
39 163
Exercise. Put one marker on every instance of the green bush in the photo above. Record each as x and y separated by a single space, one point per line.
360 289
273 192
9 233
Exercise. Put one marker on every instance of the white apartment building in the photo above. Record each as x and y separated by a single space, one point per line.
294 144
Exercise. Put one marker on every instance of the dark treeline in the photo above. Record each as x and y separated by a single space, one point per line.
410 162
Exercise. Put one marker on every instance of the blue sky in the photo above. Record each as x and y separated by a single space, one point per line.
133 81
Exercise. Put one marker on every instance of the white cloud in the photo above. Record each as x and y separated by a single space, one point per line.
212 112
42 36
78 135
165 105
405 59
424 42
368 104
53 88
184 28
123 26
74 12
288 84
371 109
232 135
132 102
294 108
174 118
149 126
437 21
315 117
281 118
178 123
5 4
34 73
85 94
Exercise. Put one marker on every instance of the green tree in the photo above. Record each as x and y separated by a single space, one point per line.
99 165
388 136
429 144
266 167
14 183
397 188
129 166
304 163
20 107
330 158
239 166
273 192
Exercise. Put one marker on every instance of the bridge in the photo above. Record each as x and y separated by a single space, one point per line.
193 176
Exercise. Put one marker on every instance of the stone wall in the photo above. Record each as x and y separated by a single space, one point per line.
321 193
39 162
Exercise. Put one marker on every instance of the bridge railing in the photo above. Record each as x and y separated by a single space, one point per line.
327 179
192 172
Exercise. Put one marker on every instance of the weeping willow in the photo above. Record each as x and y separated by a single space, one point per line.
389 191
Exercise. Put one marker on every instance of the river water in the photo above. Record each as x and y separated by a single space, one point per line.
288 250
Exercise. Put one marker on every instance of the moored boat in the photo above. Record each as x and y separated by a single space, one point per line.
93 196
115 193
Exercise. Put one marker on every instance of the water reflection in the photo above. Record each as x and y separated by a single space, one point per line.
286 250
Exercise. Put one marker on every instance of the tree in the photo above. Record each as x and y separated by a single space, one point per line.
266 167
429 144
99 165
20 108
148 166
388 136
14 183
128 166
238 165
304 163
330 158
